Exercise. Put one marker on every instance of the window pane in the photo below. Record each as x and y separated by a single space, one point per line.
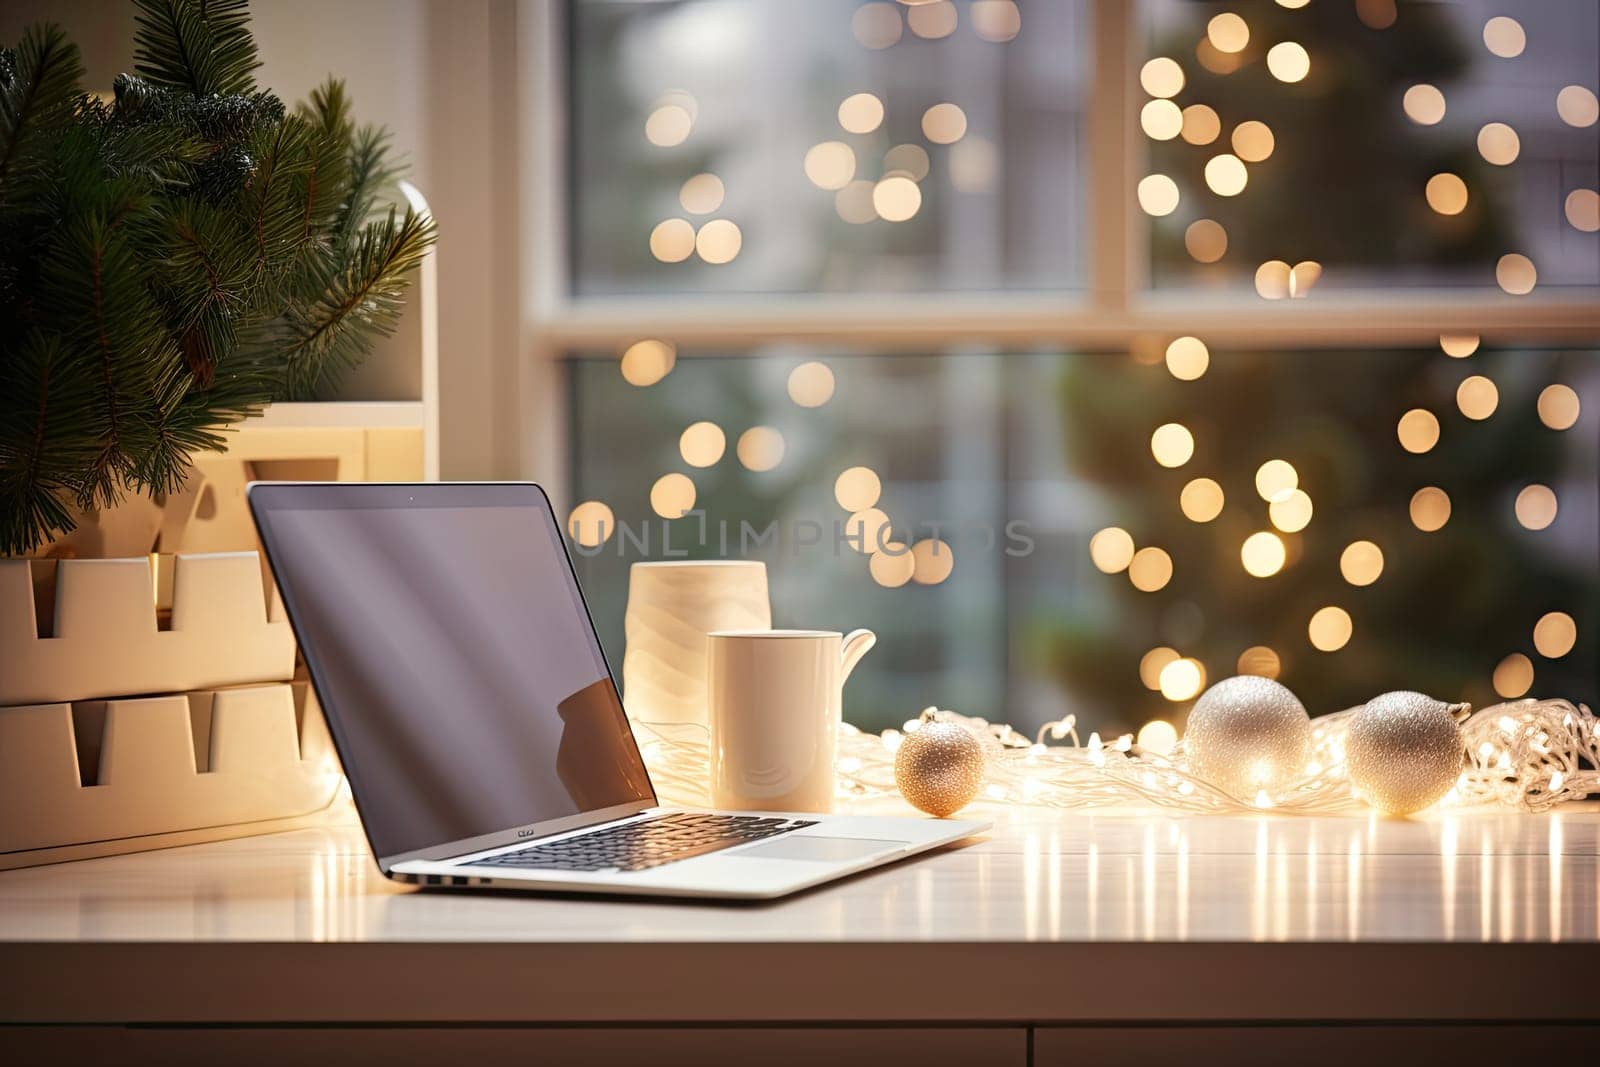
1436 525
726 146
1407 152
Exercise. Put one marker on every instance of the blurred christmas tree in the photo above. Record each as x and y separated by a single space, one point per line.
1466 574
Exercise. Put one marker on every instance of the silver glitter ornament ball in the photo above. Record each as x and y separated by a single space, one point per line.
1404 751
1248 735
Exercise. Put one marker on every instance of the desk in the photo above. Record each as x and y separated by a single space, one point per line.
1057 938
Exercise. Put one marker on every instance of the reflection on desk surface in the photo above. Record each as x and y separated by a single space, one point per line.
1037 876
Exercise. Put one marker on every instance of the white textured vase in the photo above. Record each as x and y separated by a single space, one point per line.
671 607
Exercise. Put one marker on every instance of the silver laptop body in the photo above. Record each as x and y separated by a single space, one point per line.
478 722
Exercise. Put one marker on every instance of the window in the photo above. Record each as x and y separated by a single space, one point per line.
1337 435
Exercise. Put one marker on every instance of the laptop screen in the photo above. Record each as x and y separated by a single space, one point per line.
453 657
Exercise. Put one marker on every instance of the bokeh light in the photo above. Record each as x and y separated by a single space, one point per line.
1260 661
1499 144
907 160
1228 32
1152 663
1182 679
1558 406
1161 77
1288 62
1158 736
1513 676
1291 514
1418 431
1226 175
760 448
974 165
1424 105
1330 629
1263 554
1458 345
944 123
932 561
861 113
1504 36
932 20
893 566
1253 141
1430 509
1555 634
701 194
672 495
830 165
1158 195
868 531
1361 563
1447 194
1516 274
672 241
1377 14
591 524
1272 279
877 25
1161 120
1276 479
1577 106
1200 124
646 362
668 125
702 444
811 384
1302 276
896 199
1536 507
1172 444
857 489
1150 569
1111 549
1201 500
1583 210
719 241
996 21
1477 397
1187 358
1205 240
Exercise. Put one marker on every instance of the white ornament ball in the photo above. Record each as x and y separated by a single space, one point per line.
1248 735
1404 750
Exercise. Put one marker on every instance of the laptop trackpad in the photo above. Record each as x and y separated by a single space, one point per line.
822 849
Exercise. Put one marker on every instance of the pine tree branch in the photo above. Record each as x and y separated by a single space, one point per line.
40 92
202 47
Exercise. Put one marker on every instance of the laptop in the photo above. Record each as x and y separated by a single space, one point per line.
478 722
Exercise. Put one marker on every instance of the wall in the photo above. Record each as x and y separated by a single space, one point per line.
427 71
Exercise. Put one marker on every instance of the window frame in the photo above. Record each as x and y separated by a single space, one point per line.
1116 309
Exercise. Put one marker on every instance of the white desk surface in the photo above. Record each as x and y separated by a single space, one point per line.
1052 916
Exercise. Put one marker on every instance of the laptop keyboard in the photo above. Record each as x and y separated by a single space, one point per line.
638 846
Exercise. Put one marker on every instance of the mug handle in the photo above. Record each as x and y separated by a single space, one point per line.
857 643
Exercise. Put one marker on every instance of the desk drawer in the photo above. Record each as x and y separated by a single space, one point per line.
566 1046
1330 1045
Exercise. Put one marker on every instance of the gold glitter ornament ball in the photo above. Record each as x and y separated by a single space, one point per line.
1404 751
939 767
1247 736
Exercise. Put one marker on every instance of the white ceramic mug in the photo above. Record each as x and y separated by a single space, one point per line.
774 699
